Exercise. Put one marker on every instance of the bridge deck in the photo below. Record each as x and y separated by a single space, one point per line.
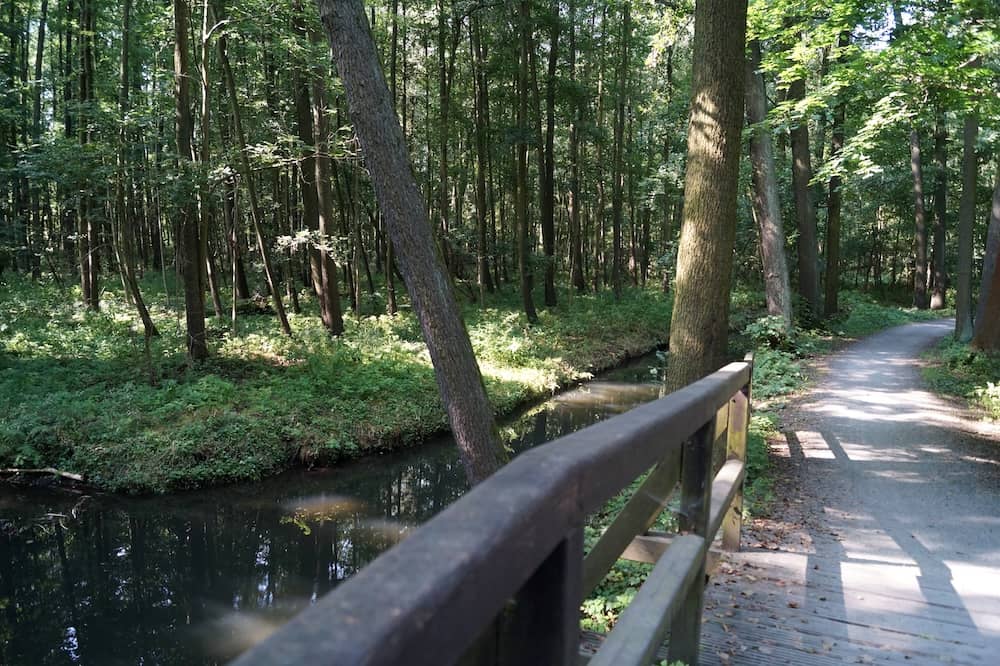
884 546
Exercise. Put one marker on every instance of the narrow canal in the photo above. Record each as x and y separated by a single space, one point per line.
196 578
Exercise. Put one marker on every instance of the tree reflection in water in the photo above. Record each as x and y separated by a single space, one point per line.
199 577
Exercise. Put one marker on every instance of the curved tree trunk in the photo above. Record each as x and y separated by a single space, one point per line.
455 367
699 326
989 260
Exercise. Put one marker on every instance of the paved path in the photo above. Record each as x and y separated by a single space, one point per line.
885 546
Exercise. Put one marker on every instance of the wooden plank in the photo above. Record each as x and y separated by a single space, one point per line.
647 620
739 422
474 555
727 483
696 498
636 517
545 624
649 548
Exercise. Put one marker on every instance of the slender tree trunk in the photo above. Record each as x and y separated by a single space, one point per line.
618 171
766 206
939 261
700 322
461 385
573 204
482 160
125 220
920 224
805 212
188 242
834 202
525 272
247 176
324 199
548 163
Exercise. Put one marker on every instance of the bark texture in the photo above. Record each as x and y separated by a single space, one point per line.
384 147
805 212
920 224
699 326
966 218
986 288
766 206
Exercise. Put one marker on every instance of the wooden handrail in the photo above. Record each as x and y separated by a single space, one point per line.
518 536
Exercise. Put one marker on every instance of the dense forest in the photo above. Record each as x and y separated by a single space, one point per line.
207 153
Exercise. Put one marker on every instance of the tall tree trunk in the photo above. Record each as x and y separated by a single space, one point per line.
766 206
618 171
36 133
87 226
125 219
247 176
548 163
699 325
188 242
834 201
805 212
939 290
573 203
525 273
459 380
966 220
987 335
324 198
920 224
482 160
986 288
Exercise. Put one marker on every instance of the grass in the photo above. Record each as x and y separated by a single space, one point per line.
76 390
958 370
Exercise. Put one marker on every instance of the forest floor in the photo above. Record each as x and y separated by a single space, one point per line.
884 544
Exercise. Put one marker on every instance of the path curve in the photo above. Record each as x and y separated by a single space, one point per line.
885 545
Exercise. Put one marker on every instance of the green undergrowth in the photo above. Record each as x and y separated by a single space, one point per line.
958 370
779 357
80 392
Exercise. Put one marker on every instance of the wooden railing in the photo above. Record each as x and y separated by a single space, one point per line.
499 576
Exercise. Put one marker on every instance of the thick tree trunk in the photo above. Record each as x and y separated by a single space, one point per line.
939 279
805 212
989 261
966 220
188 242
766 206
462 391
920 224
699 326
987 335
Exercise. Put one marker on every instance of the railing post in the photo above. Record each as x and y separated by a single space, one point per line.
739 423
544 624
696 496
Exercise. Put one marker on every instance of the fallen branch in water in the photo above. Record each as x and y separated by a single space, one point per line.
45 470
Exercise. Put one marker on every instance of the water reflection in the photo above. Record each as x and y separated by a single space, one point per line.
197 578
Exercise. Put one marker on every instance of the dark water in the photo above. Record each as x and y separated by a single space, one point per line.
197 578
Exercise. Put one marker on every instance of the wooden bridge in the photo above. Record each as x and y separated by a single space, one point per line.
498 577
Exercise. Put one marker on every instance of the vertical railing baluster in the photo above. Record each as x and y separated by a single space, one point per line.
544 624
739 421
696 500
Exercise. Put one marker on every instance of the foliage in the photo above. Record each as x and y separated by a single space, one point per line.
75 390
959 370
